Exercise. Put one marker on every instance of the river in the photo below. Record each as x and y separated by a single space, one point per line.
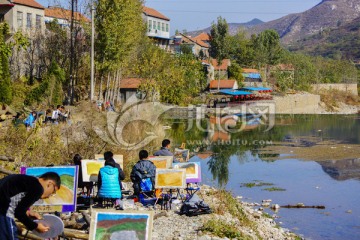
235 160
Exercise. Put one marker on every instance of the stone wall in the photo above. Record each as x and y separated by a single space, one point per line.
347 87
301 103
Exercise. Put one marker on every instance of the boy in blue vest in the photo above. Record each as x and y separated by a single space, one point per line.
109 182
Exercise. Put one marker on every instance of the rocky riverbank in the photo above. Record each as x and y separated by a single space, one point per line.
231 219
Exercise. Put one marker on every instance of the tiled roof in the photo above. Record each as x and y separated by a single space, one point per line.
204 155
228 84
29 3
192 40
61 13
130 83
202 37
153 13
250 70
224 64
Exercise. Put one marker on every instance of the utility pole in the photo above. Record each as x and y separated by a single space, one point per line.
72 53
92 53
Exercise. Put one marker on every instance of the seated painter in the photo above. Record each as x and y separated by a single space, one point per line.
109 182
143 174
165 150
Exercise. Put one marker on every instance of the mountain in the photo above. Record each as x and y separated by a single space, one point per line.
326 15
341 42
233 27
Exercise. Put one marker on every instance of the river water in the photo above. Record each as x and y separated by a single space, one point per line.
232 160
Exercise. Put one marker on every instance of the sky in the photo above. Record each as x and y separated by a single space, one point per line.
193 15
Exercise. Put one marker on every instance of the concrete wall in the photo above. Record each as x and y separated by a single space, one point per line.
297 104
350 87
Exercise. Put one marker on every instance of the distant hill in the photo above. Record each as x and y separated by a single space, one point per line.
233 27
327 14
342 42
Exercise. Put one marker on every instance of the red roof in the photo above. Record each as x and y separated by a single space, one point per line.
202 37
29 3
153 13
130 83
224 64
250 70
61 13
223 84
199 42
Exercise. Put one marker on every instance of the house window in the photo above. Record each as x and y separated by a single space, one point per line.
163 27
167 27
28 20
150 23
154 24
38 21
158 26
19 20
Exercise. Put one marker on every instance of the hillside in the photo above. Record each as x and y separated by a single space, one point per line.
342 42
233 27
326 15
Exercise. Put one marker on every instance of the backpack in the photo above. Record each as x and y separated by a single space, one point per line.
194 206
146 185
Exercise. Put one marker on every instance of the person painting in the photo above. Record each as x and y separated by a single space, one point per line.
165 150
142 173
17 193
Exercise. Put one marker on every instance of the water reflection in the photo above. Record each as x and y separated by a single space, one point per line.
342 169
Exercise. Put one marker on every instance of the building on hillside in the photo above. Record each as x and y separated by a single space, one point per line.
198 45
216 85
251 76
220 71
24 15
158 27
63 16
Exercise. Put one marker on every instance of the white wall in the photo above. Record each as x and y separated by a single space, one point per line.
156 32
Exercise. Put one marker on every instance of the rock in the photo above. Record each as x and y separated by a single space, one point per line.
275 206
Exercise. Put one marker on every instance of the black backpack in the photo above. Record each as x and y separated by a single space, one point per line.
194 206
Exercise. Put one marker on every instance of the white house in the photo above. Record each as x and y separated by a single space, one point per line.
158 27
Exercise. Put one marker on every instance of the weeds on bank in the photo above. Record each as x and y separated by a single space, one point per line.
256 184
227 203
274 189
332 98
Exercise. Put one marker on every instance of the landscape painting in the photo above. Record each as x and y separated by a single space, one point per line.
65 198
170 178
193 171
109 224
162 162
90 169
117 157
182 155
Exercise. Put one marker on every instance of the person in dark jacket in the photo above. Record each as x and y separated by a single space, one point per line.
108 156
81 184
165 150
17 193
109 181
142 170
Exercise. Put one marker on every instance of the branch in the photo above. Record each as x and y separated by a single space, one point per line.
5 158
7 172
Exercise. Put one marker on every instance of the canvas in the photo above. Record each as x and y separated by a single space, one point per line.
182 155
193 171
170 178
162 162
65 198
117 157
90 169
124 225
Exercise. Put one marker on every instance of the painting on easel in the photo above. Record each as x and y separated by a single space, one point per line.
170 178
110 224
193 171
90 169
65 198
162 162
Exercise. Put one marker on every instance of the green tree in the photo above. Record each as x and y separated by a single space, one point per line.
235 72
241 49
5 81
267 47
120 28
219 40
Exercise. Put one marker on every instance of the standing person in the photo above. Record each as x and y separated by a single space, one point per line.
108 156
165 150
17 193
81 184
143 174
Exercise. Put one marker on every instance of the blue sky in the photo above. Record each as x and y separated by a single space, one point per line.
199 14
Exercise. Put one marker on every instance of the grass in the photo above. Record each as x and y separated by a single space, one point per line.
223 229
256 184
274 189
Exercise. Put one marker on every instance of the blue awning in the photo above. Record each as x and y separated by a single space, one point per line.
235 92
255 89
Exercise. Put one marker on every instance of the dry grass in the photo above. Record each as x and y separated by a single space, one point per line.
332 98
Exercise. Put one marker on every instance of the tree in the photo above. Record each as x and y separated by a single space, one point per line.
267 47
5 81
241 49
235 72
219 41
